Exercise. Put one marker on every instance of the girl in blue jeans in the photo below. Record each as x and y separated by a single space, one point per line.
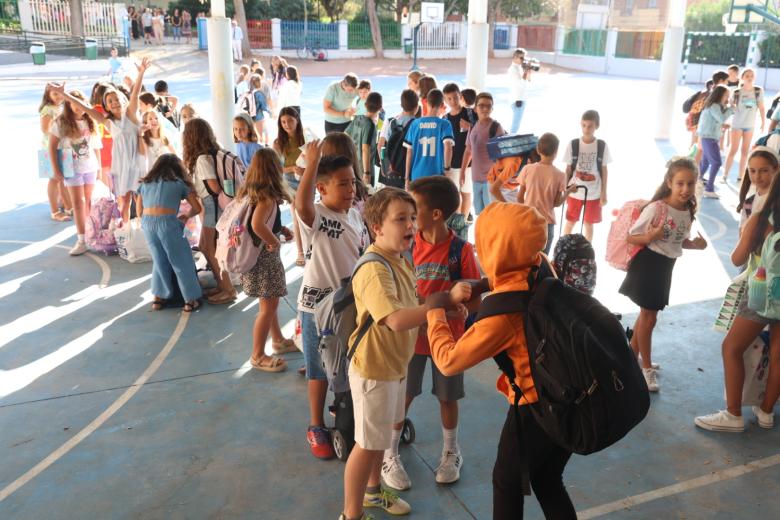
716 111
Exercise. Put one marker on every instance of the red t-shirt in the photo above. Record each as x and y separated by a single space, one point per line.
107 140
431 266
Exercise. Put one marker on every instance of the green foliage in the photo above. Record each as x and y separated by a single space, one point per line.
255 9
719 49
770 48
706 15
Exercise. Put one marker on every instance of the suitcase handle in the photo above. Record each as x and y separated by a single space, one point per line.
582 212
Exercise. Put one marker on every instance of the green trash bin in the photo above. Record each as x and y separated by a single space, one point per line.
90 48
407 45
38 51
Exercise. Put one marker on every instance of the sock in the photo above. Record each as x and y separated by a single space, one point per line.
450 439
80 238
373 490
394 440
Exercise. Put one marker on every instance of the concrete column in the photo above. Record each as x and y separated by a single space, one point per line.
667 83
276 34
477 52
611 49
343 35
513 36
221 78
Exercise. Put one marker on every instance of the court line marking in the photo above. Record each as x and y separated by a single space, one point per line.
681 487
105 269
108 412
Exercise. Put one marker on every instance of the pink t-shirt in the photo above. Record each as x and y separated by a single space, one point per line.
476 142
542 182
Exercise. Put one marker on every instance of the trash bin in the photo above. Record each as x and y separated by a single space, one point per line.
203 43
408 45
90 48
38 51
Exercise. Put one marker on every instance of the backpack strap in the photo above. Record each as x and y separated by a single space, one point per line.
575 154
455 257
601 147
493 129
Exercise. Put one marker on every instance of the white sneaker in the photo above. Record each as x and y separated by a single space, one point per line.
651 379
394 474
449 467
79 249
724 180
765 420
711 195
721 421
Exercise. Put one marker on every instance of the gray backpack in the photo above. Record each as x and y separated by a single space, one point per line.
336 320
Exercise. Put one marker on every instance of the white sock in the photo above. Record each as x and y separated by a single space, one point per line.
80 238
450 439
394 440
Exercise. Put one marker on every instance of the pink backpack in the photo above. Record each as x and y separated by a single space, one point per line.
230 171
99 232
619 251
193 226
236 251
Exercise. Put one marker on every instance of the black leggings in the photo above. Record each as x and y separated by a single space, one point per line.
546 462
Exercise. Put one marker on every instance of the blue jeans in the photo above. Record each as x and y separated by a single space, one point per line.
710 158
517 116
171 254
482 195
311 347
550 235
176 33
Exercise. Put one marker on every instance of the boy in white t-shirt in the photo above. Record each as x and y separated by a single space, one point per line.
334 237
586 159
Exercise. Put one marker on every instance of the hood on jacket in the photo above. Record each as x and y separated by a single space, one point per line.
510 238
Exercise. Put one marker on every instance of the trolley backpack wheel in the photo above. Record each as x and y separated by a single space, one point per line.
340 445
407 431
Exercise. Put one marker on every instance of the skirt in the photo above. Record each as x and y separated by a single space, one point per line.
649 279
266 279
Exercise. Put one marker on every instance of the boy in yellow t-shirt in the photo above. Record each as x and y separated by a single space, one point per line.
377 373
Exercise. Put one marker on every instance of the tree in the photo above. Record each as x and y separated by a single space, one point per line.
376 30
76 18
246 47
706 15
334 8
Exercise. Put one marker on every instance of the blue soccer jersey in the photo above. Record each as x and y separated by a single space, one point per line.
425 139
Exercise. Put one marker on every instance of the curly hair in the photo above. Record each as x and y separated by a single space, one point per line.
198 139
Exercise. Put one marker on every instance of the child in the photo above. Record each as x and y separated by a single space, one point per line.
748 324
379 366
261 93
242 81
49 110
200 145
362 130
75 132
476 149
159 195
468 98
339 143
187 112
585 166
290 91
167 103
426 84
762 168
509 238
363 90
504 178
748 99
334 237
96 101
542 185
436 199
413 81
713 117
245 137
115 73
126 162
459 119
663 229
395 125
733 80
153 142
265 188
428 143
288 142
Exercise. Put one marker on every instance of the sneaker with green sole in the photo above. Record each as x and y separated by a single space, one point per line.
388 501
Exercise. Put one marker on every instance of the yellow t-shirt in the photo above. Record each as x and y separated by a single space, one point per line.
383 354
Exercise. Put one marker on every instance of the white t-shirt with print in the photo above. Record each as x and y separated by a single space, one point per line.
333 245
586 166
677 228
82 148
204 170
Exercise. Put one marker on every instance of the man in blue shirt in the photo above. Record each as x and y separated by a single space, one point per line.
429 142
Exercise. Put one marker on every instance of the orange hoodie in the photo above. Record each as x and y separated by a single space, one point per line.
509 238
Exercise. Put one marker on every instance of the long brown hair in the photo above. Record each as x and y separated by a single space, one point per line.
771 209
147 137
168 167
764 153
282 139
67 120
715 96
198 139
672 167
46 100
264 180
426 84
339 143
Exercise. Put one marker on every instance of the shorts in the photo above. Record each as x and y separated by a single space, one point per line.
80 179
311 347
444 388
378 405
592 210
209 212
454 176
743 311
148 29
292 181
746 129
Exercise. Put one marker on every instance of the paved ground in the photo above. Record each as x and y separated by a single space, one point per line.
110 410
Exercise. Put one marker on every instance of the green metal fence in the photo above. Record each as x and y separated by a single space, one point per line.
770 52
588 42
9 14
359 35
718 48
642 45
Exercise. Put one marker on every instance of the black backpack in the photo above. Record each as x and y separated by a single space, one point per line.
393 169
773 107
574 258
590 387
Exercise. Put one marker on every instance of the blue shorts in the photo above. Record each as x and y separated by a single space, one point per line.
209 212
311 344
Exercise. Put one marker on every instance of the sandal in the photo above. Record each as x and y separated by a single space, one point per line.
158 304
211 291
221 298
301 261
60 216
302 370
284 346
274 365
194 305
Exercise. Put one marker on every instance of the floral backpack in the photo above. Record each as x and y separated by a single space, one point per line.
237 250
99 232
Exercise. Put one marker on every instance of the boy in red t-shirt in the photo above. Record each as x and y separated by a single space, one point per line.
440 257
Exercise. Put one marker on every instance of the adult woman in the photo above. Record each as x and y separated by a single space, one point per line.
186 26
747 100
158 26
176 24
133 16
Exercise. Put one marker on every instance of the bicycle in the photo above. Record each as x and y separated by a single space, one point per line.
313 51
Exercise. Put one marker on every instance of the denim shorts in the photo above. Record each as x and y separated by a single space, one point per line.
311 351
80 179
209 212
